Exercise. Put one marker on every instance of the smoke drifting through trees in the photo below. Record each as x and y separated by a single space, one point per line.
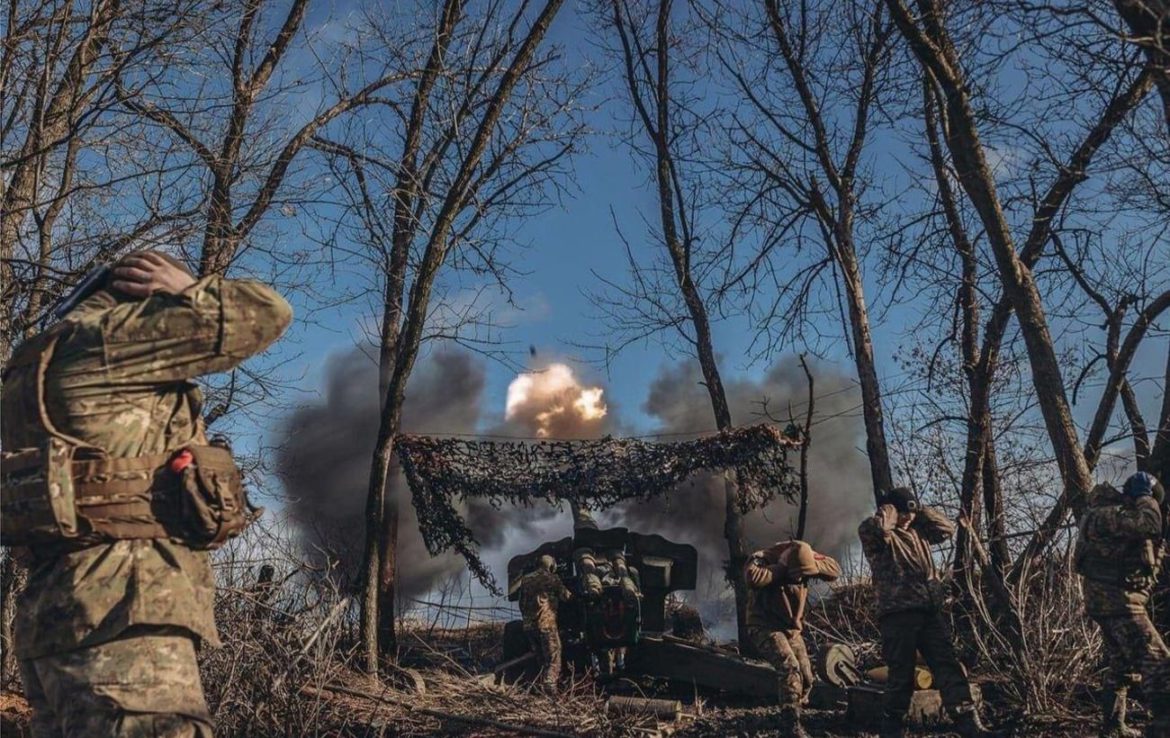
839 487
325 450
324 446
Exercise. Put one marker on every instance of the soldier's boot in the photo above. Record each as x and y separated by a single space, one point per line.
893 725
1113 709
790 726
968 724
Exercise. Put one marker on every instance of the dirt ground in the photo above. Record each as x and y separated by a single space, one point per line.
711 721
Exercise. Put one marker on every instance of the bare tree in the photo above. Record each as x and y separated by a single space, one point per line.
798 172
935 49
672 295
57 65
222 125
479 137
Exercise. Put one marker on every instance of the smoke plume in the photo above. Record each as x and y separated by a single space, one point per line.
839 494
326 449
552 403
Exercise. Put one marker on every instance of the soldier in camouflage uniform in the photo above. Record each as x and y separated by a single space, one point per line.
777 579
1118 554
107 631
541 593
896 541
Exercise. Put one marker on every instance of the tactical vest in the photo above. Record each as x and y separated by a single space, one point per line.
64 493
1132 565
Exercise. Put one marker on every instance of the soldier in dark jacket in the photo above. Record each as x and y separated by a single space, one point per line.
107 630
1118 554
541 592
896 542
777 579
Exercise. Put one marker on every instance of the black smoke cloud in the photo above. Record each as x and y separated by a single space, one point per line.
839 494
326 447
325 453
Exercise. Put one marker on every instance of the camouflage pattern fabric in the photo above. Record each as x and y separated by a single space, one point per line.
907 633
546 642
778 589
1119 554
785 650
904 574
541 592
119 380
143 684
1133 646
786 566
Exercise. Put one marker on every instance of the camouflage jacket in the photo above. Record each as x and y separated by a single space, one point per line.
119 380
541 592
779 604
1118 552
904 574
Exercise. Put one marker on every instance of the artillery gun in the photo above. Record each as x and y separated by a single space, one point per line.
591 624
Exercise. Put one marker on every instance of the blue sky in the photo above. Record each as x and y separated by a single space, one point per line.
570 242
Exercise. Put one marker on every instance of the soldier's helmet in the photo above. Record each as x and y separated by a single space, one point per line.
903 499
1143 484
548 563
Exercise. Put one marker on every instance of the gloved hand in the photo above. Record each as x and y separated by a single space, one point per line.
758 573
886 517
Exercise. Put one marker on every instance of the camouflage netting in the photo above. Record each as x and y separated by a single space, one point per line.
597 473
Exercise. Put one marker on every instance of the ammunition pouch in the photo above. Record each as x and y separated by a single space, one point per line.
65 496
213 502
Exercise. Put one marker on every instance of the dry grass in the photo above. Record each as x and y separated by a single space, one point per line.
287 666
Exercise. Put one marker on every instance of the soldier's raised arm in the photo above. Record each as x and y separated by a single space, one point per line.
875 530
814 565
211 325
1141 518
933 525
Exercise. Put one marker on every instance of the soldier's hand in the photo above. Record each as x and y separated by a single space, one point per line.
143 274
758 575
886 517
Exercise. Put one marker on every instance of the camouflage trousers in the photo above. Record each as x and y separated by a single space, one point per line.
1133 647
546 642
907 633
785 650
145 684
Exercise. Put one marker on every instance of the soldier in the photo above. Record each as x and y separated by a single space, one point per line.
108 626
896 542
590 571
1118 554
777 579
619 573
541 592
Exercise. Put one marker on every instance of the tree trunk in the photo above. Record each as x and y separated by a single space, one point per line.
875 431
993 509
806 439
373 585
1149 25
962 139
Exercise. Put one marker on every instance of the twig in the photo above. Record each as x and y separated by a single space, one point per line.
528 730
